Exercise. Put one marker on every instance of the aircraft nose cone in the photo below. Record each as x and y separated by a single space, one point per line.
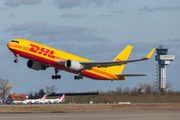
8 45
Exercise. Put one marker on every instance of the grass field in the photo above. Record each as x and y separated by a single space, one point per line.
123 98
141 103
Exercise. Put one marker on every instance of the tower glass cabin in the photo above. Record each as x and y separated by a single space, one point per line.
161 51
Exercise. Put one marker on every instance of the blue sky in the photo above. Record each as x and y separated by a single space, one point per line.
94 29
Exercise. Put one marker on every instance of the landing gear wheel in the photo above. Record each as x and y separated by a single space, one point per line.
16 56
59 76
56 76
75 77
78 77
16 61
53 77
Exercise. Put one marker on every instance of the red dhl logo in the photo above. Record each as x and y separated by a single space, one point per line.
39 50
43 51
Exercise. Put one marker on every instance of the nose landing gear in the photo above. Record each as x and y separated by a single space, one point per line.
16 56
16 61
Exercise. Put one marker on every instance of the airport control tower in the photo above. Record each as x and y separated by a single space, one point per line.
163 60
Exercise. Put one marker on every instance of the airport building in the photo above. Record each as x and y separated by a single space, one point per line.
15 97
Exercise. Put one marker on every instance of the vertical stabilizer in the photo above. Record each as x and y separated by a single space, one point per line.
124 55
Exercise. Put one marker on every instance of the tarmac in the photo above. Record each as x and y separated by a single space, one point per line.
127 115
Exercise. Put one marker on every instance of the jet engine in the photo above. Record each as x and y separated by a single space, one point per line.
73 65
35 65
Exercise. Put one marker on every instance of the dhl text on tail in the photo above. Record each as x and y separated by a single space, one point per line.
41 57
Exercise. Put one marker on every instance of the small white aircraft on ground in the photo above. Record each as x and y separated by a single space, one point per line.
34 101
53 101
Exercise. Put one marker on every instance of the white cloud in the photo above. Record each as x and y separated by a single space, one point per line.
159 8
103 15
3 8
71 15
44 31
82 3
118 11
15 3
12 15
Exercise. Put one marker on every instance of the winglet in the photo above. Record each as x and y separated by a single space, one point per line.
149 55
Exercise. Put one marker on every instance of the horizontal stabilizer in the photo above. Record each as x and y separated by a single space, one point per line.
129 75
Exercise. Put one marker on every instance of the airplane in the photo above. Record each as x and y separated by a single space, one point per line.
52 101
18 102
42 57
34 101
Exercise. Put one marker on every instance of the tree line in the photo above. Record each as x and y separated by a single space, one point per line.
6 87
147 87
41 93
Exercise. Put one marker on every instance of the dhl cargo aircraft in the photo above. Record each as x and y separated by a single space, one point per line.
41 57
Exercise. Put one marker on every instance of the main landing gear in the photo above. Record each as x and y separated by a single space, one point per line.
16 56
78 77
56 76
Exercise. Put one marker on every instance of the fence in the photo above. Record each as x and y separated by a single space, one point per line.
74 93
115 93
140 93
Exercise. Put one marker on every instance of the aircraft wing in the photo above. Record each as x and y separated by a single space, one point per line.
99 64
130 75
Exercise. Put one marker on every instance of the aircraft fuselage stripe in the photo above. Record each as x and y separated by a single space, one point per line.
57 65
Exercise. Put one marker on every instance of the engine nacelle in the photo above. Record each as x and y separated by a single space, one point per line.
35 65
73 65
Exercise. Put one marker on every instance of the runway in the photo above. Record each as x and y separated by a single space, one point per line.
130 115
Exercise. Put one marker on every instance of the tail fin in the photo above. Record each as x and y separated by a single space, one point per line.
44 97
124 55
62 98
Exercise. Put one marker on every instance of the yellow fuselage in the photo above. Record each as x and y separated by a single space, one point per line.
47 56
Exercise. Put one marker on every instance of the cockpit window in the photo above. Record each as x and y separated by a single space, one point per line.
15 41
